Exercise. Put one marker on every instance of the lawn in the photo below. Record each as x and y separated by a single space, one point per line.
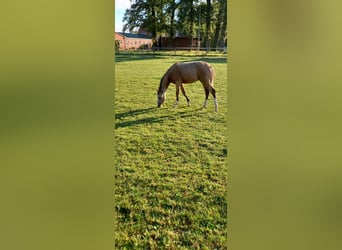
170 163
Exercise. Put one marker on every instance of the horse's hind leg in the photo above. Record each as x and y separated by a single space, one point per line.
206 97
213 92
183 91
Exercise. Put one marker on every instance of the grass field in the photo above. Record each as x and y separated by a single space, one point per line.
170 169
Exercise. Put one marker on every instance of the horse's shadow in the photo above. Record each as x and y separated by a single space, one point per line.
133 112
120 122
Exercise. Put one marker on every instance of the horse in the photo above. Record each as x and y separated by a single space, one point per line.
188 72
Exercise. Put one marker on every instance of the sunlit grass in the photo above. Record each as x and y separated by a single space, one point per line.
170 170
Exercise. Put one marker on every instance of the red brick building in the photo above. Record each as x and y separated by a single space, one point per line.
129 41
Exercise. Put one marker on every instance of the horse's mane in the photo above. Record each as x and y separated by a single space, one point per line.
162 79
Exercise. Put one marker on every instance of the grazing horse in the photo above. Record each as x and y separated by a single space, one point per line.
188 72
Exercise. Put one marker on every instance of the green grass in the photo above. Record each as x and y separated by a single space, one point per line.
170 169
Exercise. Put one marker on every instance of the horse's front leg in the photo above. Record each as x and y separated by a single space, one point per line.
183 91
177 95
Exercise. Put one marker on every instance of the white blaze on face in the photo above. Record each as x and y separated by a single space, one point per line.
160 99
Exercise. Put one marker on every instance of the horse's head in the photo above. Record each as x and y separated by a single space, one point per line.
161 98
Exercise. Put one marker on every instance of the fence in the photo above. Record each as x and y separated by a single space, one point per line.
175 51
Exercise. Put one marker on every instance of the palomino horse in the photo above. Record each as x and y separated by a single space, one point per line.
188 72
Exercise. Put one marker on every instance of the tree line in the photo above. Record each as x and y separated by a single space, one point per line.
204 19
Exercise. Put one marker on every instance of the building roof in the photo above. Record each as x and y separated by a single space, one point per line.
138 36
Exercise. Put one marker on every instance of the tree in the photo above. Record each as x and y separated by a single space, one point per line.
173 6
187 18
207 19
145 14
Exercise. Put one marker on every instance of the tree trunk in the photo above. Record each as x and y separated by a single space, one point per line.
174 6
223 32
218 27
154 25
208 28
221 24
191 19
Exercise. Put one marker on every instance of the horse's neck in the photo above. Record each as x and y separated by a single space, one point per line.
164 84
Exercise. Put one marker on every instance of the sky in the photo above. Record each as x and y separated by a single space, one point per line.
120 9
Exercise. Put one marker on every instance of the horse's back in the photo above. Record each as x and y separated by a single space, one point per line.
201 67
195 64
193 71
